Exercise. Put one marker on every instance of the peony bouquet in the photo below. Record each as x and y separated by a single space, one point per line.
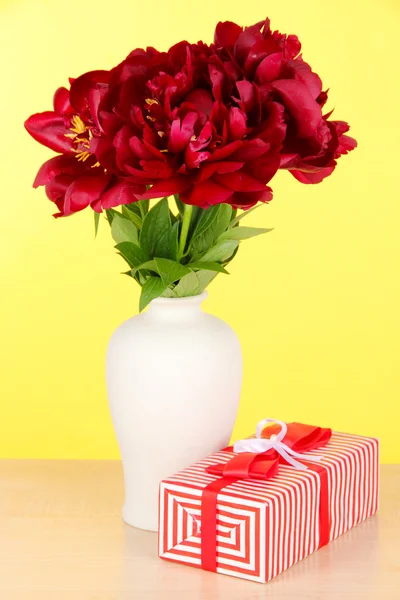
207 124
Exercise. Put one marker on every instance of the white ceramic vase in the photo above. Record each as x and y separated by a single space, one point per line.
174 376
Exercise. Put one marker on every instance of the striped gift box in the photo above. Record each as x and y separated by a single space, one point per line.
264 527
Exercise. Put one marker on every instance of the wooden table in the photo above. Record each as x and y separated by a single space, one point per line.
62 538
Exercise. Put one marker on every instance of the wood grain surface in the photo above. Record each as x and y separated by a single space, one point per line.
62 538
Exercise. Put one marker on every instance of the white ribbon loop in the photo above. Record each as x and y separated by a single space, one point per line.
258 445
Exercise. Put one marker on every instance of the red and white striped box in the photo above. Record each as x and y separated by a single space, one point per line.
264 527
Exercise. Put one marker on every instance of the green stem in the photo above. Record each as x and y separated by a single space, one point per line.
187 215
141 208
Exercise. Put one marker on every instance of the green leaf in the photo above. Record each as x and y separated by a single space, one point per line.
132 216
205 278
169 293
167 245
170 271
96 223
242 233
188 286
205 220
222 251
236 220
211 223
110 212
133 207
143 206
179 204
152 289
133 255
123 230
223 219
208 266
155 224
148 265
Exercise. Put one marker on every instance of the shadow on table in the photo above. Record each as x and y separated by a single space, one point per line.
349 563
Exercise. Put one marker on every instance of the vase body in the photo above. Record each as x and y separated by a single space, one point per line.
174 376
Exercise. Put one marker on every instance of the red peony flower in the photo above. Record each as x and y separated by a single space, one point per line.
167 128
210 123
267 67
75 179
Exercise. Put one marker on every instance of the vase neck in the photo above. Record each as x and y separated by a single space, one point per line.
176 309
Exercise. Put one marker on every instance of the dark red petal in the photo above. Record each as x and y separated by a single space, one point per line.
49 129
258 52
204 194
246 41
341 127
104 152
273 128
302 72
139 175
250 150
84 191
217 78
181 132
194 158
121 144
139 149
55 166
173 185
269 68
110 123
239 182
155 151
57 187
249 199
289 160
315 177
95 98
208 169
226 34
346 144
201 99
247 93
237 124
302 106
292 46
124 192
264 167
157 169
204 137
225 151
61 101
80 88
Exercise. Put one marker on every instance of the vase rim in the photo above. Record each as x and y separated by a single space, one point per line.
197 299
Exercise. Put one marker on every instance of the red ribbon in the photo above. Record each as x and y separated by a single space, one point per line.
247 465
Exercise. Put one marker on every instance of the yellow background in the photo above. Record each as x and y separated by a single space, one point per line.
315 303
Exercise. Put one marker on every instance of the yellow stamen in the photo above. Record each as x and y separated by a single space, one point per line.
193 138
82 156
97 164
166 150
160 133
150 118
83 141
78 125
151 101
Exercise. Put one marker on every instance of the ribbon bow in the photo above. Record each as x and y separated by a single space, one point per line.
259 457
259 444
